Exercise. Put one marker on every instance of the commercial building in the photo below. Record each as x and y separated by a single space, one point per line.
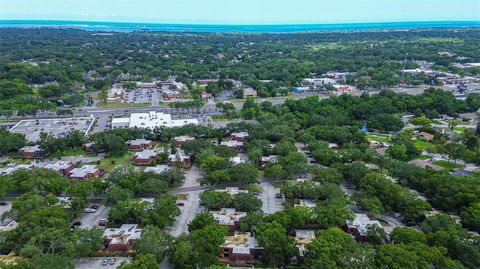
31 152
139 144
358 227
240 248
228 217
150 120
121 239
145 157
56 127
85 172
61 167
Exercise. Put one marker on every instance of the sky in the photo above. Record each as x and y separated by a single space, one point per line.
242 11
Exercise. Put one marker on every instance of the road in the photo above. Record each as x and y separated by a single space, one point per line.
96 262
90 220
270 204
188 212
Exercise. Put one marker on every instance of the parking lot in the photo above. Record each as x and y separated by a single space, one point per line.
270 204
90 220
94 263
188 211
5 208
139 96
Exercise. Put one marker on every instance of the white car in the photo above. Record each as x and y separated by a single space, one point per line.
89 210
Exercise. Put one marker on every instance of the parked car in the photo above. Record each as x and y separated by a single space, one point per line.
102 222
3 203
112 261
94 206
105 262
350 186
256 193
180 203
89 210
77 223
278 195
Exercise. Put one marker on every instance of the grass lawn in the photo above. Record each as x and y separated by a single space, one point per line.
218 118
424 157
421 145
110 162
378 138
459 129
446 165
68 152
181 196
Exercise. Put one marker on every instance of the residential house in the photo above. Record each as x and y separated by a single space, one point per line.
31 152
237 160
139 144
240 137
358 227
145 157
121 239
228 217
231 190
240 248
156 169
10 169
179 140
85 172
232 144
206 95
179 159
249 92
424 136
89 147
264 160
61 167
302 239
306 203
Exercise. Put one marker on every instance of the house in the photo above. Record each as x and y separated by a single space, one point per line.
228 217
89 147
8 224
372 167
332 146
249 92
156 169
145 157
10 169
240 248
139 144
121 239
302 239
179 159
306 203
240 137
61 167
237 160
232 144
358 227
206 95
424 136
31 152
85 172
179 140
264 160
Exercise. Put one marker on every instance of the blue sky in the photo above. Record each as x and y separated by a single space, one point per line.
243 11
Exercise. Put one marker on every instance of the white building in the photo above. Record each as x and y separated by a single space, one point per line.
150 120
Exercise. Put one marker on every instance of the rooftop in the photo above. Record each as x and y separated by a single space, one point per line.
60 165
232 190
227 216
83 171
306 202
231 143
361 222
122 235
156 169
33 148
152 120
302 238
240 134
240 243
145 154
56 127
139 142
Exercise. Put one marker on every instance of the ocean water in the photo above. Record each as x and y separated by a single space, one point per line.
217 28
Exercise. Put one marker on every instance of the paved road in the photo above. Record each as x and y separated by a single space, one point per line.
188 212
270 204
94 263
191 177
90 220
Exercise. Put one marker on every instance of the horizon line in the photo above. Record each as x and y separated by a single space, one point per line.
13 21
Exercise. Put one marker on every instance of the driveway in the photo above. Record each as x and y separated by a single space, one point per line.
96 262
192 176
270 204
188 212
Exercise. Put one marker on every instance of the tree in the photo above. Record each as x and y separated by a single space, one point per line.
332 214
154 241
376 235
10 142
51 261
385 122
275 171
407 235
200 221
214 200
422 121
395 256
116 194
398 151
471 217
278 247
141 261
247 202
87 241
452 124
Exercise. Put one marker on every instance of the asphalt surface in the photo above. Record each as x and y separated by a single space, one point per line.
270 204
96 262
90 220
